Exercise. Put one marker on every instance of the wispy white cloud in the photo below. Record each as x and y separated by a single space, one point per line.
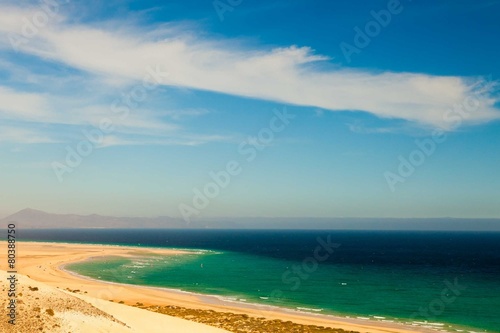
33 117
120 52
403 129
26 106
176 140
186 113
24 136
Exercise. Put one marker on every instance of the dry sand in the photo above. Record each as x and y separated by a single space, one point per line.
78 302
42 308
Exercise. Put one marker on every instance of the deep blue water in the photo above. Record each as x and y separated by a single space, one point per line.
395 275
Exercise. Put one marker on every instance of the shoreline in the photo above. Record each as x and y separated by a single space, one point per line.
61 277
223 301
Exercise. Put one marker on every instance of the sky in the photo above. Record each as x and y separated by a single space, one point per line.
238 108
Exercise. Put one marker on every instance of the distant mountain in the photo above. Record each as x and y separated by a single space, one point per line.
35 219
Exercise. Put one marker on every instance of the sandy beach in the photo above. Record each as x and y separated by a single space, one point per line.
128 308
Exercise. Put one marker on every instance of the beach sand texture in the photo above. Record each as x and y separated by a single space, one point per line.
51 299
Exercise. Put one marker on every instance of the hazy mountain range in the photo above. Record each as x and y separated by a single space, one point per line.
36 219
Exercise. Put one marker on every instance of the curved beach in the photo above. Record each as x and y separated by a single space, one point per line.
43 264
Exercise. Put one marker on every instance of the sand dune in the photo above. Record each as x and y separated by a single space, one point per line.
42 308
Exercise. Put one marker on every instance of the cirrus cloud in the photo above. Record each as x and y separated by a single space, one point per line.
290 75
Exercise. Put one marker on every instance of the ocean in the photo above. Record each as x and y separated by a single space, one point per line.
446 280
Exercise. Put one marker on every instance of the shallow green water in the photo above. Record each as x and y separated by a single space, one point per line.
422 297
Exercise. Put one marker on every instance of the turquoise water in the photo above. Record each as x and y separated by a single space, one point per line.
384 275
410 294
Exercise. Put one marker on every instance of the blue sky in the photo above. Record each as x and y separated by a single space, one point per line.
223 73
